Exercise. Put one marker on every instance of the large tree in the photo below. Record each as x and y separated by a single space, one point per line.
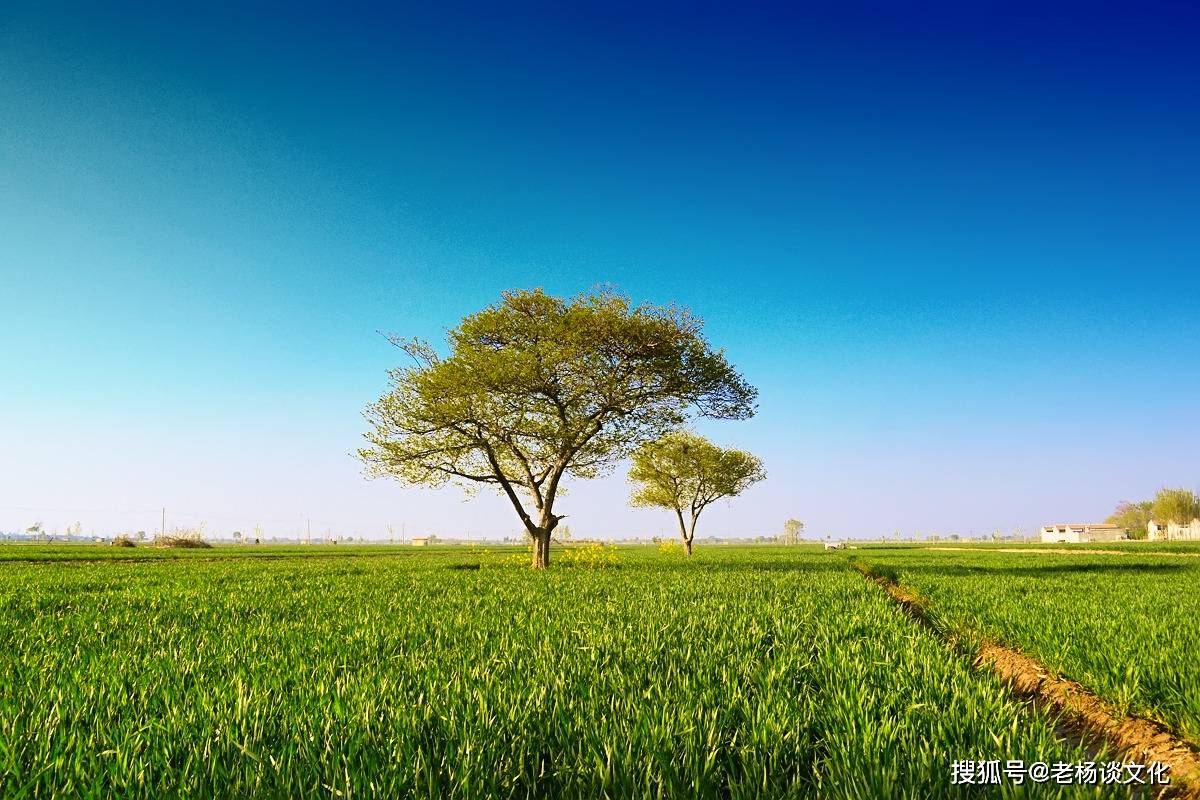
537 389
686 473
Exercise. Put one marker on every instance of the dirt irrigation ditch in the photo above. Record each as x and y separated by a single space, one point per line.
1084 713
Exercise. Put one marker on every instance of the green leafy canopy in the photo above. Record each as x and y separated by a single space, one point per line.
1175 505
686 473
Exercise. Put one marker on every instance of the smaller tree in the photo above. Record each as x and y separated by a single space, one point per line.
686 473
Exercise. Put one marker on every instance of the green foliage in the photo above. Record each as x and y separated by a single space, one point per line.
747 673
1133 517
686 473
1175 505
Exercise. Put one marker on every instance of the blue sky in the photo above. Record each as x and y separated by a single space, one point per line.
956 250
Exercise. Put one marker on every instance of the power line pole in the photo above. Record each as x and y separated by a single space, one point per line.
307 530
163 530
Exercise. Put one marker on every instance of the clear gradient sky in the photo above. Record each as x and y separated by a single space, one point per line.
957 250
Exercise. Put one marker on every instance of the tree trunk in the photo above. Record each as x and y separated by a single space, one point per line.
683 533
689 534
541 549
541 538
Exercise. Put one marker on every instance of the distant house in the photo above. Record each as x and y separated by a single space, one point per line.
1159 531
420 541
1082 532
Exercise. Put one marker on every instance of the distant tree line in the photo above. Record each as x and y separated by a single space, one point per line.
1169 505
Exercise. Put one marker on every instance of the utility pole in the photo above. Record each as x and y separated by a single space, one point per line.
163 530
307 530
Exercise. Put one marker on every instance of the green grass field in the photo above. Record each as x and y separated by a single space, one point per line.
1126 626
388 672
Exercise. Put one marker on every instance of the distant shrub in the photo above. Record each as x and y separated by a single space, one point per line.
123 540
180 541
183 538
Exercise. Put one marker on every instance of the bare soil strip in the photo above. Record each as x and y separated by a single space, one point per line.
1062 551
1134 738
